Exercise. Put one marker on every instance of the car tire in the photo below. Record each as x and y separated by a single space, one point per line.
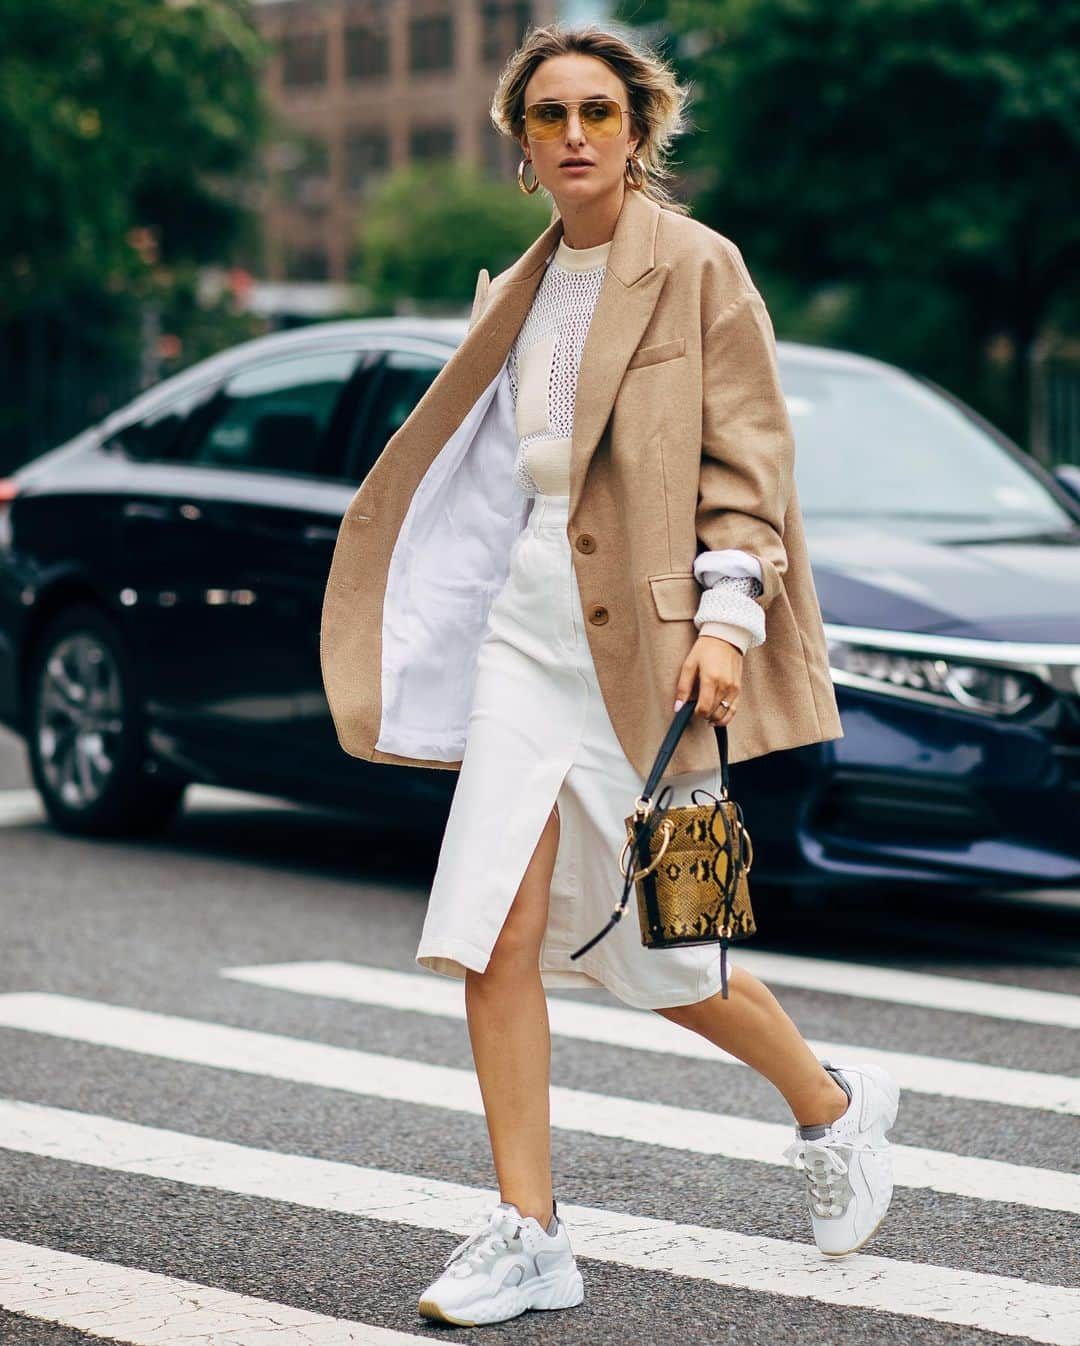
86 731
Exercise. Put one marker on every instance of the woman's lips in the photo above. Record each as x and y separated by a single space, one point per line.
575 168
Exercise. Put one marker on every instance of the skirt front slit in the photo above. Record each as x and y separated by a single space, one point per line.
539 737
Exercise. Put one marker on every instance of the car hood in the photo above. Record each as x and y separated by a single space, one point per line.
1018 588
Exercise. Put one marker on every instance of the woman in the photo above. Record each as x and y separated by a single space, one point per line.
581 525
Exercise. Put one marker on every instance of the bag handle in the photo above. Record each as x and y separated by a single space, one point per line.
643 805
667 747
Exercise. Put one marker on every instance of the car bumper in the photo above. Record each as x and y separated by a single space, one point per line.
941 796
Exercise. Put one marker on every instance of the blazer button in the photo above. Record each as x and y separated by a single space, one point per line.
598 615
586 542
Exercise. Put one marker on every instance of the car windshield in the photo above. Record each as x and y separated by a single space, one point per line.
875 449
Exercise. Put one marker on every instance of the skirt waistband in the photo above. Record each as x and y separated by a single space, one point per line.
548 512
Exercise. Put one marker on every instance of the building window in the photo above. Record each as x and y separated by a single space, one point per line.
431 43
305 173
502 26
431 142
303 57
367 52
367 158
498 153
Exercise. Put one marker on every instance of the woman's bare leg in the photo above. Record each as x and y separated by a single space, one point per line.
751 1025
507 1015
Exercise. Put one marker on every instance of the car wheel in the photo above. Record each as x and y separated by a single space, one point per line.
85 732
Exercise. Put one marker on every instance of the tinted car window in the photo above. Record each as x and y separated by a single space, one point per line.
275 417
873 448
403 379
157 436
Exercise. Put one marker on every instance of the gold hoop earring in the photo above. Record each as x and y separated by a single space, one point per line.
634 172
521 178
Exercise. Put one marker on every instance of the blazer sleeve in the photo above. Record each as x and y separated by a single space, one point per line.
747 442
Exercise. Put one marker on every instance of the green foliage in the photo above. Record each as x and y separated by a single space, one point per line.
431 227
121 115
898 148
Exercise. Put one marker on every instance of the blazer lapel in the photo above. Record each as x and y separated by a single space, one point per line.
627 298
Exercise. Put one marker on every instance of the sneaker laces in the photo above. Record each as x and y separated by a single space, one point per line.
494 1235
826 1171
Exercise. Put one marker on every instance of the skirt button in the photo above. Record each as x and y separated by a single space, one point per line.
598 615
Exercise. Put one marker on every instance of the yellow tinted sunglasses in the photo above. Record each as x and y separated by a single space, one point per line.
601 118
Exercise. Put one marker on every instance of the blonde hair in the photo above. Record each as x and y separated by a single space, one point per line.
657 101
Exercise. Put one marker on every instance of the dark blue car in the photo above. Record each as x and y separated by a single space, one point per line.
161 581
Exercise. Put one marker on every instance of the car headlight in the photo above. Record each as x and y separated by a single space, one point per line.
981 688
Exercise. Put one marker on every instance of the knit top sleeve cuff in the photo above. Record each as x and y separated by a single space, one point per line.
738 636
732 599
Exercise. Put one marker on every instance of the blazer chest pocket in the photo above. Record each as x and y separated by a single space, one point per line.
655 355
676 595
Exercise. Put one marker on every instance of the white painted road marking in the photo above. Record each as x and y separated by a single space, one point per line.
142 1308
202 1043
1045 1313
869 982
638 1030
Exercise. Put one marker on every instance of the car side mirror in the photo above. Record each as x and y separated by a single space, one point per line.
1068 474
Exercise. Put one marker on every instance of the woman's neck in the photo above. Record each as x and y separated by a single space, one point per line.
588 225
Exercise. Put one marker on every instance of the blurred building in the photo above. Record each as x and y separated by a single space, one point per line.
362 87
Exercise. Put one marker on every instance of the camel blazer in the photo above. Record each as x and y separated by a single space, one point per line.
681 444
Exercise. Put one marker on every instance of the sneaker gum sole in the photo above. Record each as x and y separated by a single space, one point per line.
569 1292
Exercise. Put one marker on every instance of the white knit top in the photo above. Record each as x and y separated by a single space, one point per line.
543 370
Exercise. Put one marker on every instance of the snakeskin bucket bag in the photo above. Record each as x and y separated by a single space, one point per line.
691 862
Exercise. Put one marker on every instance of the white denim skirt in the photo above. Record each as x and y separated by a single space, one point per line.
539 737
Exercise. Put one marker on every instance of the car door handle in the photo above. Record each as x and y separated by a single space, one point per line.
143 509
319 532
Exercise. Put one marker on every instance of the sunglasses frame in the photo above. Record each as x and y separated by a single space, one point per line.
566 104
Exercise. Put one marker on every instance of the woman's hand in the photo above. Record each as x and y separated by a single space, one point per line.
716 664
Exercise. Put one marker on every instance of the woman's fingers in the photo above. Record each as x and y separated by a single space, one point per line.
719 669
711 671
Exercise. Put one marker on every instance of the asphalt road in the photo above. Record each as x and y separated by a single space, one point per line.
234 1110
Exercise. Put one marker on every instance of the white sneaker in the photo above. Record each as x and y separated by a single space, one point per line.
509 1265
849 1174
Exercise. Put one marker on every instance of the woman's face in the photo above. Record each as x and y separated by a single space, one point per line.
568 78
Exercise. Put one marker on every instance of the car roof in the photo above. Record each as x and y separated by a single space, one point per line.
448 331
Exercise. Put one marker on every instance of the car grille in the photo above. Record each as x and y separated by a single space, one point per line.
865 802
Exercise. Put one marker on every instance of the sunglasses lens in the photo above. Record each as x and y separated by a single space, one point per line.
602 118
545 121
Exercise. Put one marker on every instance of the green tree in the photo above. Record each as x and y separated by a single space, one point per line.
128 129
431 227
921 154
129 139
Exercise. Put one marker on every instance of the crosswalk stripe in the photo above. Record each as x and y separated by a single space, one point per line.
923 989
143 1308
638 1030
24 805
198 1042
1005 1305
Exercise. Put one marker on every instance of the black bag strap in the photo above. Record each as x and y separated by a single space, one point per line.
671 739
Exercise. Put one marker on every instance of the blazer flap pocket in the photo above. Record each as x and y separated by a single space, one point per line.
653 355
676 595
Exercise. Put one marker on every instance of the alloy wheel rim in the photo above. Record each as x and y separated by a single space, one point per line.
80 719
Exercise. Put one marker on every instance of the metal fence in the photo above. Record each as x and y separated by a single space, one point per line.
1055 409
